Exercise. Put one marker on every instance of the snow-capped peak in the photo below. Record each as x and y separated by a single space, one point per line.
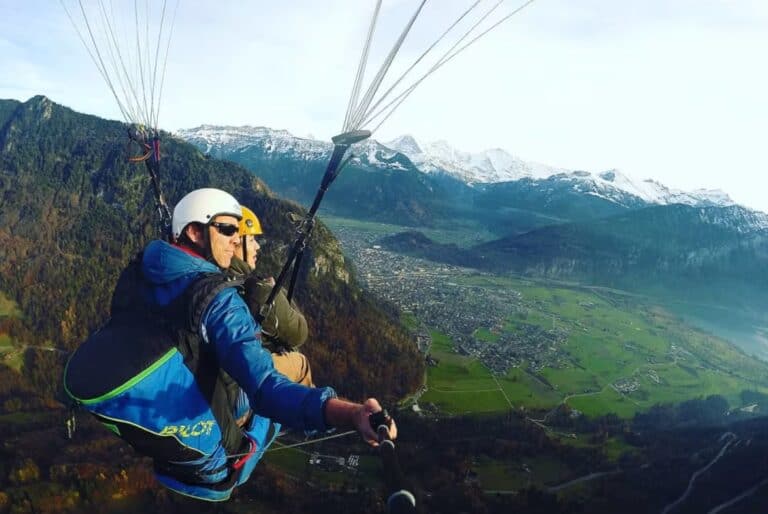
406 145
714 196
495 165
650 191
654 192
234 138
223 141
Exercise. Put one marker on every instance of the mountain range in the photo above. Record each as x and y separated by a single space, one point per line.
601 228
483 171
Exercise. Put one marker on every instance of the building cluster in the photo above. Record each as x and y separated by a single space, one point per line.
458 302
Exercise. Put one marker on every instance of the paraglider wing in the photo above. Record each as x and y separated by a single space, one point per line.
129 44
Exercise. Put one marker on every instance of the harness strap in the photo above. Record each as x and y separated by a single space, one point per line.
202 292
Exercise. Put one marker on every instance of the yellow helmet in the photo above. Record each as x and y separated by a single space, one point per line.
249 223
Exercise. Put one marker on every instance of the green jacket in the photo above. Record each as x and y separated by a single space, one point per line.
285 327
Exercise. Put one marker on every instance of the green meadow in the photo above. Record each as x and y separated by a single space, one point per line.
460 384
623 355
503 475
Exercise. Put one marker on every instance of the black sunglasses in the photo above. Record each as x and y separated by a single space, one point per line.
225 229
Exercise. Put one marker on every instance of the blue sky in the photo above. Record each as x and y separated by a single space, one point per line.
674 90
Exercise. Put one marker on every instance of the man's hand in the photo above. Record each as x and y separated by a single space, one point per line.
363 422
344 414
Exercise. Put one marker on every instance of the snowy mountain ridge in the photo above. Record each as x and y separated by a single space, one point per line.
497 165
489 166
219 140
486 167
652 191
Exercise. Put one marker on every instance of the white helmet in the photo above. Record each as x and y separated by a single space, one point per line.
201 206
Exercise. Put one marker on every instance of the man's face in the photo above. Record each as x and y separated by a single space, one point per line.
252 249
223 247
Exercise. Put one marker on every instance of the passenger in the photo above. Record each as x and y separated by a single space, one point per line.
283 328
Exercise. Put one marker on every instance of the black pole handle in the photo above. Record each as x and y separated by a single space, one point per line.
401 500
153 167
380 423
341 144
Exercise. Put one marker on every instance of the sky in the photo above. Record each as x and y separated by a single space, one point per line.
673 90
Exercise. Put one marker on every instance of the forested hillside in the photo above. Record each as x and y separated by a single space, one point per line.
73 212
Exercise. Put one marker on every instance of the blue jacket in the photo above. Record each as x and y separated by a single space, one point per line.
229 327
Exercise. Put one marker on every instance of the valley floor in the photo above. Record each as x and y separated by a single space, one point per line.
501 342
498 344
